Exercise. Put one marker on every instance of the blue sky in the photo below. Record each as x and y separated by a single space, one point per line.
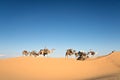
59 24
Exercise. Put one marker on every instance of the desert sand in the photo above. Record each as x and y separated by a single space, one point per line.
30 68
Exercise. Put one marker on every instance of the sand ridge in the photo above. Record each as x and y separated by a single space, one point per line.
31 68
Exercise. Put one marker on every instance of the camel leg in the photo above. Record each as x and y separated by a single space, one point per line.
44 55
66 56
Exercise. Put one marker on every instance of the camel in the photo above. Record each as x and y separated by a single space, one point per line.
91 53
70 52
45 51
25 53
82 56
34 53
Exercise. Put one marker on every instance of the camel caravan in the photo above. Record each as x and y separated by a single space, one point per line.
80 55
43 52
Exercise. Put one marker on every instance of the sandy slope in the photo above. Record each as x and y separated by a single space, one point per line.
30 68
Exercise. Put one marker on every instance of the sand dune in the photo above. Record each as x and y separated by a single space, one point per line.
30 68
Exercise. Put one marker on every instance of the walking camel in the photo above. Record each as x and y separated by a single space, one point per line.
25 53
91 53
70 52
34 53
82 55
45 51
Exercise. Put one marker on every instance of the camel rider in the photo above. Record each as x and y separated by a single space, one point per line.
45 51
80 53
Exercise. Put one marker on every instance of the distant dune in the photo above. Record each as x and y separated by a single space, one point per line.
31 68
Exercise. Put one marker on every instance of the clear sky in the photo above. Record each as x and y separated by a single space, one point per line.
59 24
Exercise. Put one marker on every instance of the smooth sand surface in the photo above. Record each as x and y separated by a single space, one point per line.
31 68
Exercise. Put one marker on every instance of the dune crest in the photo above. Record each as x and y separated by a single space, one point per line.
30 68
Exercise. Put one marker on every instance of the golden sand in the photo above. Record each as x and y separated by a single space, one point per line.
31 68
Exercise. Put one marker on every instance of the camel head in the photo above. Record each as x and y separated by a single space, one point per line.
25 53
52 50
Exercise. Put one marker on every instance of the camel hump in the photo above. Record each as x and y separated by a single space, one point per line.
25 51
